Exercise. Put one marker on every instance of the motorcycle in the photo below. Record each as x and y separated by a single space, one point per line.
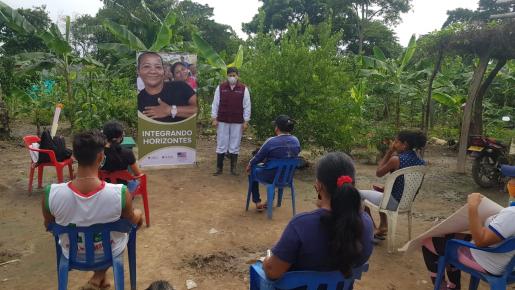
489 154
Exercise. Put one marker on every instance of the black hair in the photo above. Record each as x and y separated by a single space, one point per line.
112 131
143 54
414 139
232 69
344 222
160 285
86 146
175 65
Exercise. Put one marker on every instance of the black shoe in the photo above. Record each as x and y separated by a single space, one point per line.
234 161
219 164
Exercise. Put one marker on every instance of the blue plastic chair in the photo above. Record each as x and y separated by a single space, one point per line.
284 171
495 282
90 264
309 279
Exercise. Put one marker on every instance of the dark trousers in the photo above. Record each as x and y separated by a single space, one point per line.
263 175
431 259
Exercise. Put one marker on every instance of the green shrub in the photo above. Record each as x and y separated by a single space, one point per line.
305 79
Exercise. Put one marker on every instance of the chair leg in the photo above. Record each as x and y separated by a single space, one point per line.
440 273
249 192
292 198
279 196
70 170
146 208
131 249
392 229
62 274
270 192
474 283
40 176
118 272
59 171
410 217
31 177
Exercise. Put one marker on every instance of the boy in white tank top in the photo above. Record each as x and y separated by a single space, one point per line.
86 200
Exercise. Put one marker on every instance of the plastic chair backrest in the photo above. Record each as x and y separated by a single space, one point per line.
310 280
116 175
413 178
29 139
285 169
90 233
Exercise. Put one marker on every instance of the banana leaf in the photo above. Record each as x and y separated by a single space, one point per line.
238 60
53 39
408 54
15 20
207 52
164 36
379 54
444 99
124 35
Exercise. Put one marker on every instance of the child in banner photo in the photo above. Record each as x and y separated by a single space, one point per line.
169 102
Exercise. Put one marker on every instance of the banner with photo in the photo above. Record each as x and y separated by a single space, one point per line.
167 108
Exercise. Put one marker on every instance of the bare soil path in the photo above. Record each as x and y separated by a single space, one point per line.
187 203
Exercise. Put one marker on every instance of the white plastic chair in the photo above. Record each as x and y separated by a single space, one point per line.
413 177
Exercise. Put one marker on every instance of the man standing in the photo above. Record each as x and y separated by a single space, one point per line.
230 113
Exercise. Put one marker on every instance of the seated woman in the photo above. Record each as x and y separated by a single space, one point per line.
493 231
118 158
401 154
86 200
337 236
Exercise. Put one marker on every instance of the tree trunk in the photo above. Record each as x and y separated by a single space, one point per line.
5 131
429 101
361 33
476 127
475 84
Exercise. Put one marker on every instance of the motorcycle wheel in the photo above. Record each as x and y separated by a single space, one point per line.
485 172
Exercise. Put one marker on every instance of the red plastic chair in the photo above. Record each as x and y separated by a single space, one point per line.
28 140
115 176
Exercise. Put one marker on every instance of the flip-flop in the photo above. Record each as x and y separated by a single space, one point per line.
381 237
261 207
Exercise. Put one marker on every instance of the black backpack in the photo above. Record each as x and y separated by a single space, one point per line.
56 144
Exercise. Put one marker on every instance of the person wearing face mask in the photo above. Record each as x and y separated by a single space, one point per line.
162 101
230 113
87 200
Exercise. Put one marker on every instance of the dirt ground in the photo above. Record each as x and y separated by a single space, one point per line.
187 203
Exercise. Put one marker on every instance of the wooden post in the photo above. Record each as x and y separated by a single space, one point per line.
475 84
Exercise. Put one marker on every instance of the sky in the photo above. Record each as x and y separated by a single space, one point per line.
425 16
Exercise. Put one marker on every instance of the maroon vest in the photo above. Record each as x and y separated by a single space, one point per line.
230 108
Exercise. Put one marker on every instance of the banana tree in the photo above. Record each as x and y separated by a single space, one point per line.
393 72
215 66
60 57
129 43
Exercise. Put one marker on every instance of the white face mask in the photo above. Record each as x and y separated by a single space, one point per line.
232 80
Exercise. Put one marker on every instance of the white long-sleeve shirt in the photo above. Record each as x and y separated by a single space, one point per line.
246 104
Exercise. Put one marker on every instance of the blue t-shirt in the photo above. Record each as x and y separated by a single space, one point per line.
305 242
406 159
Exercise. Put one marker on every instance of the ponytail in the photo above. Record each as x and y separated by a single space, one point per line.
345 229
343 223
113 131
